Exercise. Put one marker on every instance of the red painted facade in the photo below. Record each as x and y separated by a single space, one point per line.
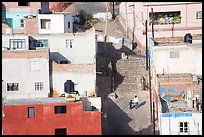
45 121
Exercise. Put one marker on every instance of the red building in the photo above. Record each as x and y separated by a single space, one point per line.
50 116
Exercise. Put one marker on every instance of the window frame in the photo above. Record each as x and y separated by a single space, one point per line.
166 18
17 43
197 14
182 128
39 86
12 87
33 112
34 65
69 43
61 109
40 43
68 25
174 54
22 22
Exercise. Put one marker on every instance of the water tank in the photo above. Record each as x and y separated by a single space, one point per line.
69 86
188 38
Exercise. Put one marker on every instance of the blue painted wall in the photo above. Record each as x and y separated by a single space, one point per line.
13 18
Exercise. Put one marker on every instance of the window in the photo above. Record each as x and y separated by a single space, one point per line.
16 43
12 86
199 15
22 23
45 23
38 86
174 54
34 65
60 109
40 43
31 112
60 131
69 43
68 25
161 18
23 3
183 127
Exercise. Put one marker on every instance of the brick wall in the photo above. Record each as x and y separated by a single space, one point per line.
31 25
15 5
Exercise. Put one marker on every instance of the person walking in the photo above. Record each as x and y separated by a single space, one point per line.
131 104
136 102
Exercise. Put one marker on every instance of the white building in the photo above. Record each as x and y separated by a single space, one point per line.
178 59
180 121
72 57
55 23
25 74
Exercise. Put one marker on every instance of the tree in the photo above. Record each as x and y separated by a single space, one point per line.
84 17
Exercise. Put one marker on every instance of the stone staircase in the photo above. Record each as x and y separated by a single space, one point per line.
129 74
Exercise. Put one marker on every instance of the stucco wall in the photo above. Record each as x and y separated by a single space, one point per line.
190 60
84 81
189 23
45 121
6 38
57 23
17 70
83 50
68 18
170 125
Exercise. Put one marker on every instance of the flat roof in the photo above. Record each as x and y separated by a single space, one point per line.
178 41
40 53
177 106
29 101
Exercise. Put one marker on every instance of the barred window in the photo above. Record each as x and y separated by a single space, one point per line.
16 43
40 43
183 127
12 86
38 86
69 43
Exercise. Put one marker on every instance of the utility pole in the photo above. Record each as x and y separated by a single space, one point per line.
126 18
150 92
153 118
113 17
152 23
146 46
173 29
105 38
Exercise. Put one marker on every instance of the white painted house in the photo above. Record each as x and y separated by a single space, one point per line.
25 74
178 59
72 57
55 23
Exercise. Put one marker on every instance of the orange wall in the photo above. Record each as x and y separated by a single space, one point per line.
45 121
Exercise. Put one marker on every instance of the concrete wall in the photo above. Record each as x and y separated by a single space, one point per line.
57 23
190 60
83 50
46 121
170 125
6 38
68 18
17 70
84 81
134 15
